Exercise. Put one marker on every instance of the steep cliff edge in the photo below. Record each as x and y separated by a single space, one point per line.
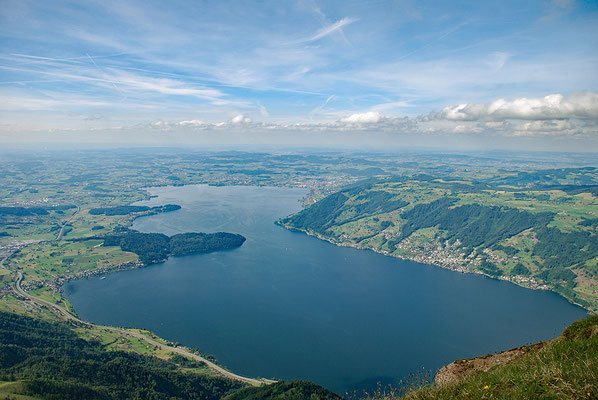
561 368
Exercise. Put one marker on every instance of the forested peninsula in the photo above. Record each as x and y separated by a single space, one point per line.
156 247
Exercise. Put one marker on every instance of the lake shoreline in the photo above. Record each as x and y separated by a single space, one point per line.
418 260
337 278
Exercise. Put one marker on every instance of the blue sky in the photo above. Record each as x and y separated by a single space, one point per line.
386 72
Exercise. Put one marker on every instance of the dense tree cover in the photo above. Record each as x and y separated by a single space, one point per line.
53 363
472 224
386 224
166 208
560 275
155 247
186 362
319 216
490 269
508 250
187 243
293 390
150 247
23 211
556 254
118 210
376 201
589 222
325 213
33 211
125 210
520 269
559 249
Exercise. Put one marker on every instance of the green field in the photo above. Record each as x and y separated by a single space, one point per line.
543 238
44 194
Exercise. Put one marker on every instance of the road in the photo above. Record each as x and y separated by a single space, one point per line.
66 222
68 316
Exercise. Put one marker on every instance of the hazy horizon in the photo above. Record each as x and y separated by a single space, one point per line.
352 75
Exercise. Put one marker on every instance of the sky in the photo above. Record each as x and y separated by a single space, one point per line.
359 74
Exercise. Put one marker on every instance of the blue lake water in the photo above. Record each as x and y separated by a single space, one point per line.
286 305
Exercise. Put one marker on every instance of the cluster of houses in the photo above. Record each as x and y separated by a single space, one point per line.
56 283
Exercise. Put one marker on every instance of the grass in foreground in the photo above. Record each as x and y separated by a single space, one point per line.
563 368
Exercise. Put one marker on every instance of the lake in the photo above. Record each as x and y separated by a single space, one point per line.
286 305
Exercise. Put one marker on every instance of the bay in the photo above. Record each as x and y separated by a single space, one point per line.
286 305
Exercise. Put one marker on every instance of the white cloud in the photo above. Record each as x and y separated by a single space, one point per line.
192 122
461 129
370 117
241 119
581 105
496 125
163 125
370 121
546 127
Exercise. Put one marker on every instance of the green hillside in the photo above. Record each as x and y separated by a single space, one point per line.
543 238
48 360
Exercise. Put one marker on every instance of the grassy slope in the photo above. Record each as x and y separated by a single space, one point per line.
111 180
563 368
49 360
52 260
379 216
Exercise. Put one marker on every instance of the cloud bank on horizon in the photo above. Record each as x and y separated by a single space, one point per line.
390 73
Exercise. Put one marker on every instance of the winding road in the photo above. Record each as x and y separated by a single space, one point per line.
70 317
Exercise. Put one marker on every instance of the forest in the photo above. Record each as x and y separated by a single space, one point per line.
48 360
156 247
322 215
52 362
473 224
539 238
125 210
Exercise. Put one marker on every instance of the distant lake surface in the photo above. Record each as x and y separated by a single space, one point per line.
286 305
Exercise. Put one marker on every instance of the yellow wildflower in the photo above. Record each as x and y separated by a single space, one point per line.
486 387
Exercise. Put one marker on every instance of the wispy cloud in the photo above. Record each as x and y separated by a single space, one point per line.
328 30
117 79
281 62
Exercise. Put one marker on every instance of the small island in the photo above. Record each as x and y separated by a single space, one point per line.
155 247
